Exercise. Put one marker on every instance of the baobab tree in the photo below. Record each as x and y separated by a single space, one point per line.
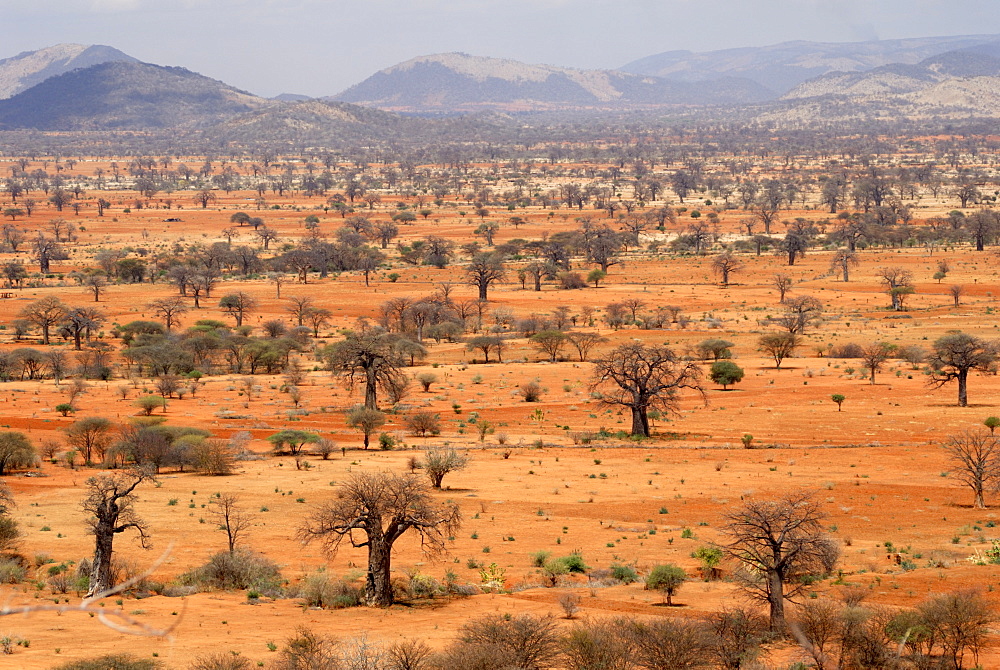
777 542
368 357
484 271
842 262
381 508
642 378
725 264
111 504
45 313
955 355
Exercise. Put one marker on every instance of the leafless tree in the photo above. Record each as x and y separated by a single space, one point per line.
484 271
238 305
168 309
725 264
366 357
898 283
381 507
783 283
777 541
111 503
956 291
231 516
96 284
643 378
801 312
874 355
842 261
45 313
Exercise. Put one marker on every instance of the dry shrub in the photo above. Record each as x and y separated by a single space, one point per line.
523 641
112 662
408 655
597 644
221 661
570 604
423 423
531 391
323 590
307 650
848 350
242 569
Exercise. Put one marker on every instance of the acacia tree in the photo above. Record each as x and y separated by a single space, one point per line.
16 451
381 507
484 271
976 455
111 504
366 420
439 462
777 541
644 378
368 357
238 305
955 355
778 346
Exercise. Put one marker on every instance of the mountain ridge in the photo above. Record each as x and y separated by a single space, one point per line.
30 68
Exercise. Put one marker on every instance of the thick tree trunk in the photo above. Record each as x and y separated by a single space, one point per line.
482 291
776 601
100 572
371 389
378 587
640 421
963 396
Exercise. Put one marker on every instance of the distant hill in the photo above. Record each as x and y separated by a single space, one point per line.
314 119
125 96
291 97
29 68
781 67
956 84
460 82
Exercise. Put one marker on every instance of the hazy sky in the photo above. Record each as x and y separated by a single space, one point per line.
320 47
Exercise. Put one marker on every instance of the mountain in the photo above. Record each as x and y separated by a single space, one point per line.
26 69
125 96
781 67
459 82
957 84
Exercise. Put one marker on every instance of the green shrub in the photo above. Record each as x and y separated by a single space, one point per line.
574 562
539 558
626 574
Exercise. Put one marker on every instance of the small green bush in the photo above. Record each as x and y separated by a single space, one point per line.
626 574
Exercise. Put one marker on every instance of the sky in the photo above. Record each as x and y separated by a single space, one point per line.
320 47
